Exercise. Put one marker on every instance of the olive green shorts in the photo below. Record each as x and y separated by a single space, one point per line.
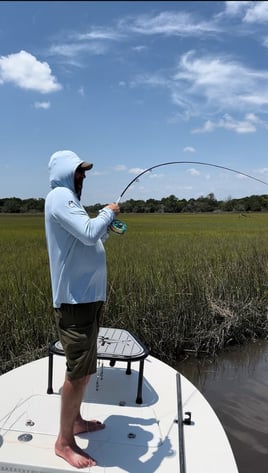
78 327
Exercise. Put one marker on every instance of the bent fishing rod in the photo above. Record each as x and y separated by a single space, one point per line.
136 178
120 227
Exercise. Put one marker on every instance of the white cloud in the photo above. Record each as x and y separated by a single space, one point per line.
227 122
167 23
193 172
81 91
100 33
26 72
211 84
139 48
248 11
136 170
241 176
263 171
256 13
153 175
98 40
95 42
97 173
154 80
265 41
255 99
236 8
189 149
43 105
206 128
218 82
72 50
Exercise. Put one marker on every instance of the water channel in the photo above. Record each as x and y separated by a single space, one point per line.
236 386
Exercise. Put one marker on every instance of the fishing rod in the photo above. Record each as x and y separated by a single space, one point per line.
186 162
120 227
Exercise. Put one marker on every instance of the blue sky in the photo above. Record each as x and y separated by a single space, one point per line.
131 84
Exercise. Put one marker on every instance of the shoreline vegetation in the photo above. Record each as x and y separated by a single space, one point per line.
185 284
170 204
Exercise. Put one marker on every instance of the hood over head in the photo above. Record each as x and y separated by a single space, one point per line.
62 166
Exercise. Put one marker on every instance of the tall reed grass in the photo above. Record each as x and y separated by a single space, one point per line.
181 282
190 282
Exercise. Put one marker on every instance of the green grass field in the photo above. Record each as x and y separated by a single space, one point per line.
194 282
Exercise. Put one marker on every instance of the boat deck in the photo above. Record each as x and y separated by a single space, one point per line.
138 438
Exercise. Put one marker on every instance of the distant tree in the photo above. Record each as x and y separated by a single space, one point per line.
12 205
170 204
33 205
152 205
227 205
94 209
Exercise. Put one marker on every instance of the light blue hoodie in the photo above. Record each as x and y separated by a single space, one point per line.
74 240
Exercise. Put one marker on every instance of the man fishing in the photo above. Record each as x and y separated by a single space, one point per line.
78 278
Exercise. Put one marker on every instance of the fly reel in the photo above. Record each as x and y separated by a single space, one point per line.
119 227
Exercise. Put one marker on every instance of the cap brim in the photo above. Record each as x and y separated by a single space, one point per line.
86 166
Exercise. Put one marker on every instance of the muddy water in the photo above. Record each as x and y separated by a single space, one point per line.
236 386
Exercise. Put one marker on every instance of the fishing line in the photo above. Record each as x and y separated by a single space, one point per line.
119 227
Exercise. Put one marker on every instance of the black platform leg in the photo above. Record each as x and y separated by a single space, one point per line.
128 370
139 393
50 373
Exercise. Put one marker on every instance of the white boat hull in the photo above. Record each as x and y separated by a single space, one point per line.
138 438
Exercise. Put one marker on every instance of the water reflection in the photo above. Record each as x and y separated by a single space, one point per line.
236 385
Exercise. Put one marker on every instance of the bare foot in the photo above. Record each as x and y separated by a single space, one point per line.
74 455
82 426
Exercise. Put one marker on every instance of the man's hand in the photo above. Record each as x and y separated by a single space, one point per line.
114 207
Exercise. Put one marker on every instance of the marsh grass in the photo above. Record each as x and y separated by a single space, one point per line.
182 283
26 313
190 282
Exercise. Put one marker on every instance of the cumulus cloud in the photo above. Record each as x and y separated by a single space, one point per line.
26 72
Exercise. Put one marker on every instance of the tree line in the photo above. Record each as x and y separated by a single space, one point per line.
171 204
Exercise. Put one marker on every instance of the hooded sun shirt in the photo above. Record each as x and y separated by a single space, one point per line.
74 240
